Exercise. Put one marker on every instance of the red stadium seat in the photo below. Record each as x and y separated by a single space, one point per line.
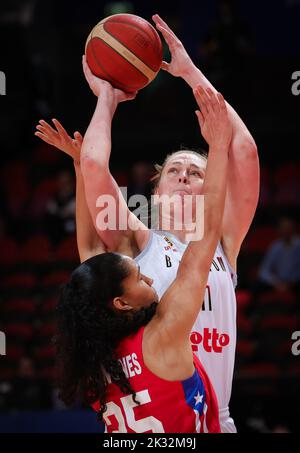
293 370
245 349
9 252
243 298
46 352
7 373
46 188
48 372
48 305
47 330
121 178
283 349
279 322
15 171
260 370
45 154
245 325
17 195
55 278
42 193
14 351
19 330
23 280
289 171
259 239
67 250
265 187
284 297
287 182
37 250
20 306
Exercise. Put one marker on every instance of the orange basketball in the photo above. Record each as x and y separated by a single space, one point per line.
125 50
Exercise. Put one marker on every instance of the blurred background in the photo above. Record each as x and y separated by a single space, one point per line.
249 51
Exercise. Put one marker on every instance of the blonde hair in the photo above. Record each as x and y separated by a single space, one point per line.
159 168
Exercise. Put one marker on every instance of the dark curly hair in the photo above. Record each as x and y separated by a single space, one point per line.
89 329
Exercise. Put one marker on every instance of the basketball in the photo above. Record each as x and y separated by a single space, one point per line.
125 50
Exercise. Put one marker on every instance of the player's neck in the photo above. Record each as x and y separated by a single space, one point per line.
184 232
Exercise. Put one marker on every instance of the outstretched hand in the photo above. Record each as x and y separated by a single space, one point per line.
180 60
59 138
216 127
101 87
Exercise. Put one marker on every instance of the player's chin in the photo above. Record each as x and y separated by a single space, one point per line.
155 297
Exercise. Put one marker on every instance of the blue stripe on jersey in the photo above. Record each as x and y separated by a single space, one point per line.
194 391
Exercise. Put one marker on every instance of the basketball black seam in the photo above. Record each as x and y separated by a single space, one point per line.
124 44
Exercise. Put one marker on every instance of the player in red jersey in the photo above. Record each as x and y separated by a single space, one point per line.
129 356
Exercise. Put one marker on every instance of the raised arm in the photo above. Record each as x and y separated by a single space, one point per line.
88 241
243 170
100 185
176 314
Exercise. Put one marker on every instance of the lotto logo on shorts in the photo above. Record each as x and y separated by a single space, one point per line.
212 341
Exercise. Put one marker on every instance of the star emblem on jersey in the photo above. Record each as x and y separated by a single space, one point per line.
198 398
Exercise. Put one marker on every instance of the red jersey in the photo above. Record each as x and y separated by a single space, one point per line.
188 406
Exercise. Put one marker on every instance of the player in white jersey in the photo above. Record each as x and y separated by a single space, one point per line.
214 334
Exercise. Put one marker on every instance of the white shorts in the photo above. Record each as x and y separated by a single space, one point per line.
226 422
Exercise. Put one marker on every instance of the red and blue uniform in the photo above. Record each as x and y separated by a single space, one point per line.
188 406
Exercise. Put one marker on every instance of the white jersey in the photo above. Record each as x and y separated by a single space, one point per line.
213 336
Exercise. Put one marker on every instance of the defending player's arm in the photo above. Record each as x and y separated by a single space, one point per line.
98 181
181 303
243 171
88 241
